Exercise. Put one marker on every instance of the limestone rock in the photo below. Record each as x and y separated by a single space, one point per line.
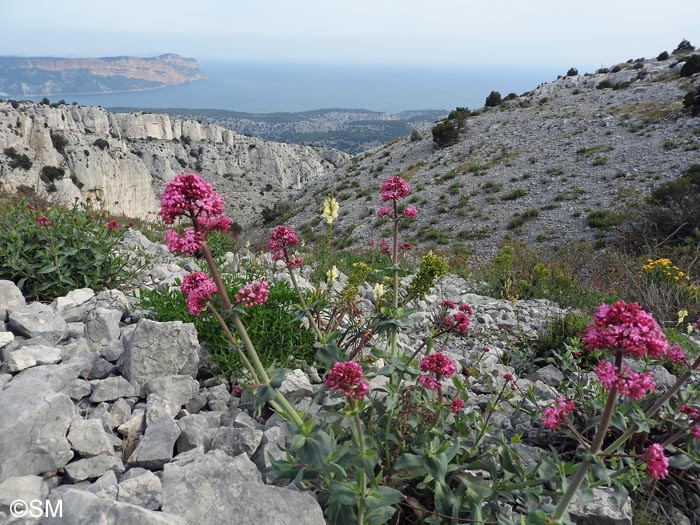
88 438
26 488
156 446
110 389
37 411
102 325
32 355
81 507
144 490
35 320
93 468
603 509
210 489
175 391
10 298
159 349
236 441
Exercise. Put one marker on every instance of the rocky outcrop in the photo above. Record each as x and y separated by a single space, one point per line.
121 161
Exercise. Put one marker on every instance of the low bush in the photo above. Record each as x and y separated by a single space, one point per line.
691 66
493 99
50 250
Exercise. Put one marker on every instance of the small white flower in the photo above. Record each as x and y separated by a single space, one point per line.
378 292
332 275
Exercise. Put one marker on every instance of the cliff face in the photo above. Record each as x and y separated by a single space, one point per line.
55 76
122 161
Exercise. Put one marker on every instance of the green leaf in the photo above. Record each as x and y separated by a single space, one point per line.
681 461
47 269
379 515
618 420
343 493
536 517
382 496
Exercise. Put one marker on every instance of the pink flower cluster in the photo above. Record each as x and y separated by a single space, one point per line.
190 195
656 460
44 221
186 244
193 197
628 383
281 239
458 321
395 188
346 378
676 355
439 367
199 289
113 225
628 328
456 405
410 212
253 293
693 416
555 417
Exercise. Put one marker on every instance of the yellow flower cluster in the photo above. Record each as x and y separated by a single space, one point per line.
330 209
667 268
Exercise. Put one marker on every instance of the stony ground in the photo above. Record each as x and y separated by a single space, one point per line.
113 415
555 154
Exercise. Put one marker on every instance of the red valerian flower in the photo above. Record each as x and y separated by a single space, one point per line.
628 383
410 212
253 293
456 405
186 244
395 188
656 460
554 417
346 378
191 196
628 328
439 367
199 289
113 225
44 221
384 211
281 239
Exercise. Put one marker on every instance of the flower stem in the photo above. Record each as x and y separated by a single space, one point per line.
254 362
302 302
656 406
395 265
595 447
361 475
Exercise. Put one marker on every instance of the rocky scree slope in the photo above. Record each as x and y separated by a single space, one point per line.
532 168
107 411
121 161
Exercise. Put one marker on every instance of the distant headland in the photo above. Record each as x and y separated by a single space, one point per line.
38 76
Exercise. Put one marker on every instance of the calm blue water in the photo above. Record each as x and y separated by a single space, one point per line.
269 87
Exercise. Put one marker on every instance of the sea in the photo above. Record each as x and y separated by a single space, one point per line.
256 87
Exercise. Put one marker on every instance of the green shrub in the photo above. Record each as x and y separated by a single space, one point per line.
572 72
274 327
672 212
17 160
494 99
278 214
515 194
445 133
59 142
691 66
683 47
691 102
603 219
662 56
73 250
415 136
101 143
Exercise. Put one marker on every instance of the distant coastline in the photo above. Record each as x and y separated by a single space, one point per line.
60 77
253 87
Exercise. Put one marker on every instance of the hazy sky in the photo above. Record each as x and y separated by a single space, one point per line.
582 33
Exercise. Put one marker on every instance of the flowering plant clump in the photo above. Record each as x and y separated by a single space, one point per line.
413 436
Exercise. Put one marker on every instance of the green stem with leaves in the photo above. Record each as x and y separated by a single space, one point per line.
361 475
595 447
256 366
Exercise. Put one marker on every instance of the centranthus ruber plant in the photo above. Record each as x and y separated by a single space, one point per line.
626 332
190 197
